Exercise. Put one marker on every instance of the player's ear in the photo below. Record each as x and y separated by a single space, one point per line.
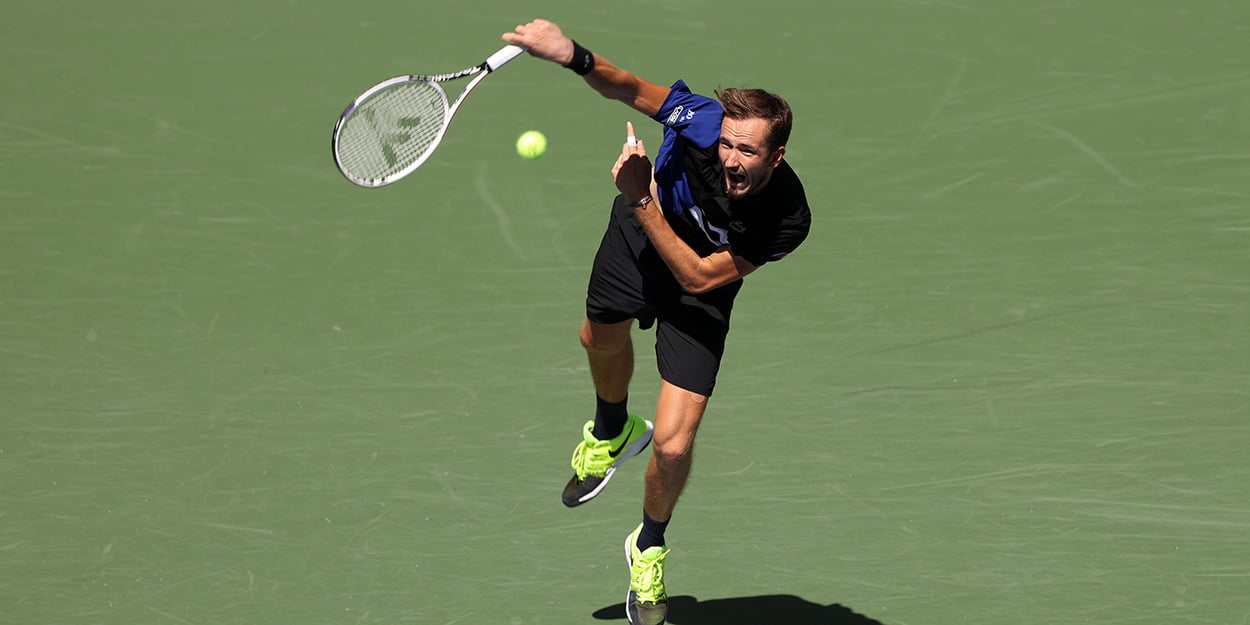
774 159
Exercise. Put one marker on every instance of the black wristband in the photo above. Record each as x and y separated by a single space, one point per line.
583 60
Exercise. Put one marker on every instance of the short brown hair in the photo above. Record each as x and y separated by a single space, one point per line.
747 103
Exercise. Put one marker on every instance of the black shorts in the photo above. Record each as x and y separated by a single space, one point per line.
630 281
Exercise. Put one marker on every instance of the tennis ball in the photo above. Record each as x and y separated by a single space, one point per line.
531 145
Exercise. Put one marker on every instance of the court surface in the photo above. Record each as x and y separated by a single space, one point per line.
1005 380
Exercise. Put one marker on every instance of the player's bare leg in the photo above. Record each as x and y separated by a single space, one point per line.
614 435
610 351
677 417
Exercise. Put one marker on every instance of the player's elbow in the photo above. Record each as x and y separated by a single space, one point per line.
632 91
697 284
696 288
710 274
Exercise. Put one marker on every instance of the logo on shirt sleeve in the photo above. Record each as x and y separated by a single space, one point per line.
679 114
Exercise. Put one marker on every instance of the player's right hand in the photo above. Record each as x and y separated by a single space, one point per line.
544 40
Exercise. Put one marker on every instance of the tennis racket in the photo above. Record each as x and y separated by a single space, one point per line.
394 126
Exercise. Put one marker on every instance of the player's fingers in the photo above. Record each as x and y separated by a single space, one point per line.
631 148
620 162
517 36
523 32
633 144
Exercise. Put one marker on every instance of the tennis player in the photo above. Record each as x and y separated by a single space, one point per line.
719 203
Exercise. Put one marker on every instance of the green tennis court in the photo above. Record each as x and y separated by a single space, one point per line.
1006 380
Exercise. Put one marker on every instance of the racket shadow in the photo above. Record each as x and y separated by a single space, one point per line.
687 610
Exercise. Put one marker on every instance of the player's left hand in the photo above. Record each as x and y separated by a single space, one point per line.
632 170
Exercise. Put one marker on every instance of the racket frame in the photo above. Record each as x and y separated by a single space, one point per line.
479 72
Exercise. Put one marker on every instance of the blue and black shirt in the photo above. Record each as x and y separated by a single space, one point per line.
762 227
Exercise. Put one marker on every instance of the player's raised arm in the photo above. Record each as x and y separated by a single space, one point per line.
545 40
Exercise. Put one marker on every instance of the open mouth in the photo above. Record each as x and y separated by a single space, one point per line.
736 181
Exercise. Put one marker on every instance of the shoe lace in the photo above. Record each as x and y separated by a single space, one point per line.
647 577
591 459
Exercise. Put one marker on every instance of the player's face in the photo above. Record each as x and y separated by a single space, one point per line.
748 159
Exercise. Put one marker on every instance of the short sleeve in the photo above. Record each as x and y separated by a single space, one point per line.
696 118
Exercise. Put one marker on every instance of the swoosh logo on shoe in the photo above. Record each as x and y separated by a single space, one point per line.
616 452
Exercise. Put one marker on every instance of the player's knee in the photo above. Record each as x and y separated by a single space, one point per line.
673 450
601 342
673 446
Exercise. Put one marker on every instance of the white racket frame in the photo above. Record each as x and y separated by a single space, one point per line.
479 72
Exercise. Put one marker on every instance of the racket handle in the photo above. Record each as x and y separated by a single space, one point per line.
501 58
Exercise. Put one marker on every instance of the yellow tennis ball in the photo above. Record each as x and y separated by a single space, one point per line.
531 145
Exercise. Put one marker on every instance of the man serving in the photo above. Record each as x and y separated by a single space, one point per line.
719 203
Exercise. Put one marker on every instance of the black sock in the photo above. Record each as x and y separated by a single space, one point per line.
610 418
652 534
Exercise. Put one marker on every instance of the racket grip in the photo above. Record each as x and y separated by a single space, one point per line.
501 58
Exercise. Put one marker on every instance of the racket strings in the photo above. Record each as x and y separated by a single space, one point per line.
392 130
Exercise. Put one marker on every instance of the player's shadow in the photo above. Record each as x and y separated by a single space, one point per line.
686 610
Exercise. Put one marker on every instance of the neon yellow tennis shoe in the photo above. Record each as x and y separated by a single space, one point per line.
647 602
594 461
